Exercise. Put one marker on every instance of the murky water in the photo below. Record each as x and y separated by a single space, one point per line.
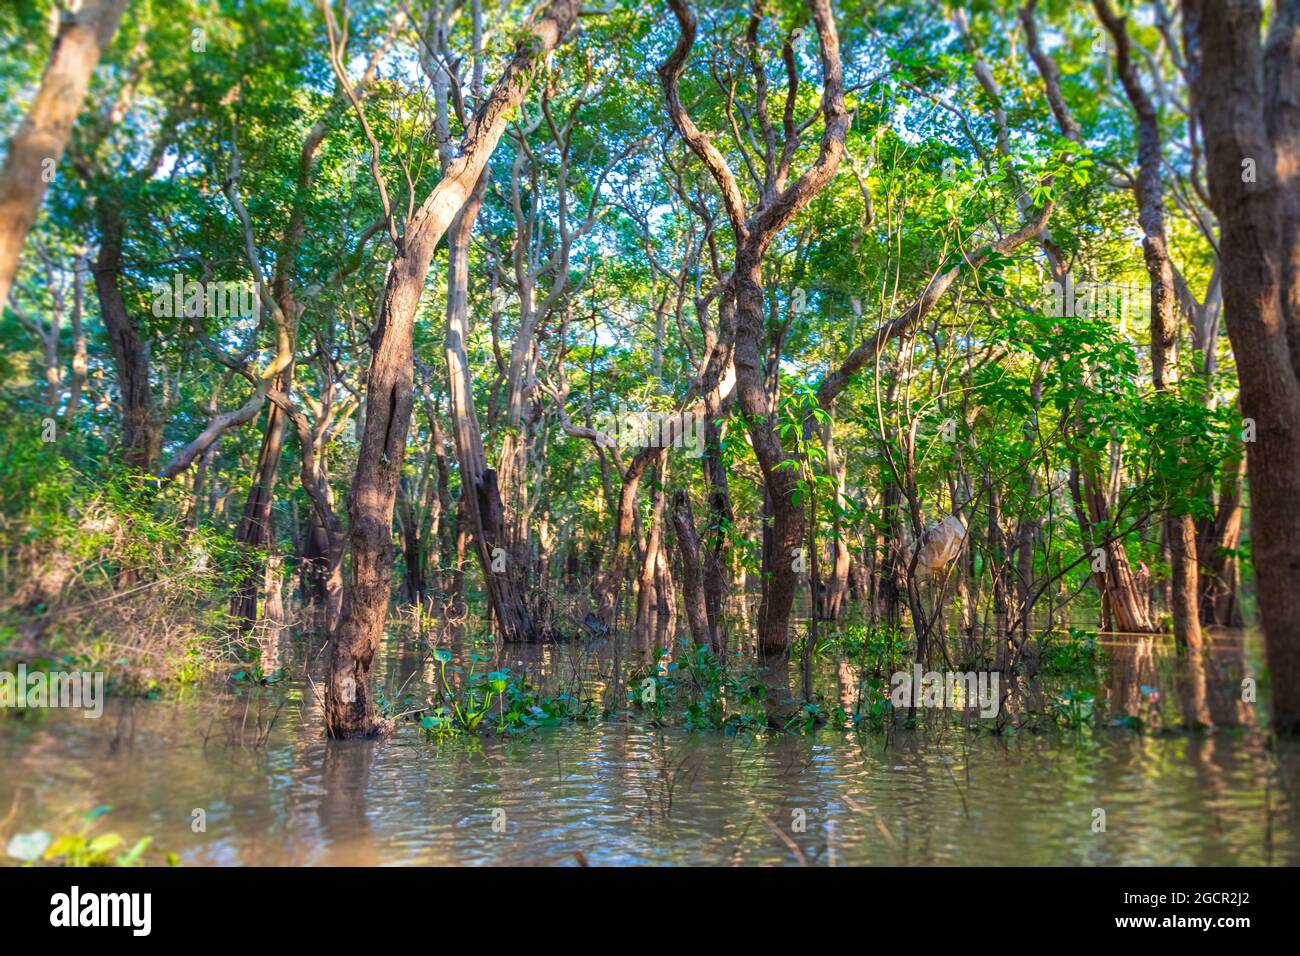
274 791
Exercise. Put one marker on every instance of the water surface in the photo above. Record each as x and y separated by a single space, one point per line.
274 791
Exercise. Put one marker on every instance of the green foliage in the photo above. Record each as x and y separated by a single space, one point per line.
693 689
984 403
1075 710
74 528
1077 652
520 707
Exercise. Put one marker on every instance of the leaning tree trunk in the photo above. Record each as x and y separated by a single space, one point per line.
349 702
350 709
37 147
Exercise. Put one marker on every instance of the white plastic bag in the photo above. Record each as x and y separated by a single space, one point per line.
941 545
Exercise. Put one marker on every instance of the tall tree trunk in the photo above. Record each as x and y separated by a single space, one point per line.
610 586
1223 42
1217 545
409 527
717 540
141 430
349 700
80 362
1180 529
480 493
837 584
753 232
647 592
37 147
781 559
688 545
254 531
666 591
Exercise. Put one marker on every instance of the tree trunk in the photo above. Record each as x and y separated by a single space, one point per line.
409 527
1221 582
349 702
37 147
647 592
788 537
720 517
141 430
480 493
837 584
254 531
753 232
1223 39
1128 608
1180 530
688 546
610 586
80 362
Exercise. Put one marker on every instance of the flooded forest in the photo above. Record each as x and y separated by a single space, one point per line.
649 432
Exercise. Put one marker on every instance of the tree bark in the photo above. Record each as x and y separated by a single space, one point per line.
349 700
37 147
837 584
647 601
254 531
1180 529
1223 42
1221 582
688 545
753 232
480 492
141 430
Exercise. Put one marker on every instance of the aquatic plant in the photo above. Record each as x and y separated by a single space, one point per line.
694 689
520 705
1077 651
85 848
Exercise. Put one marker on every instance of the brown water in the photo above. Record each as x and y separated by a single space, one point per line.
623 793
